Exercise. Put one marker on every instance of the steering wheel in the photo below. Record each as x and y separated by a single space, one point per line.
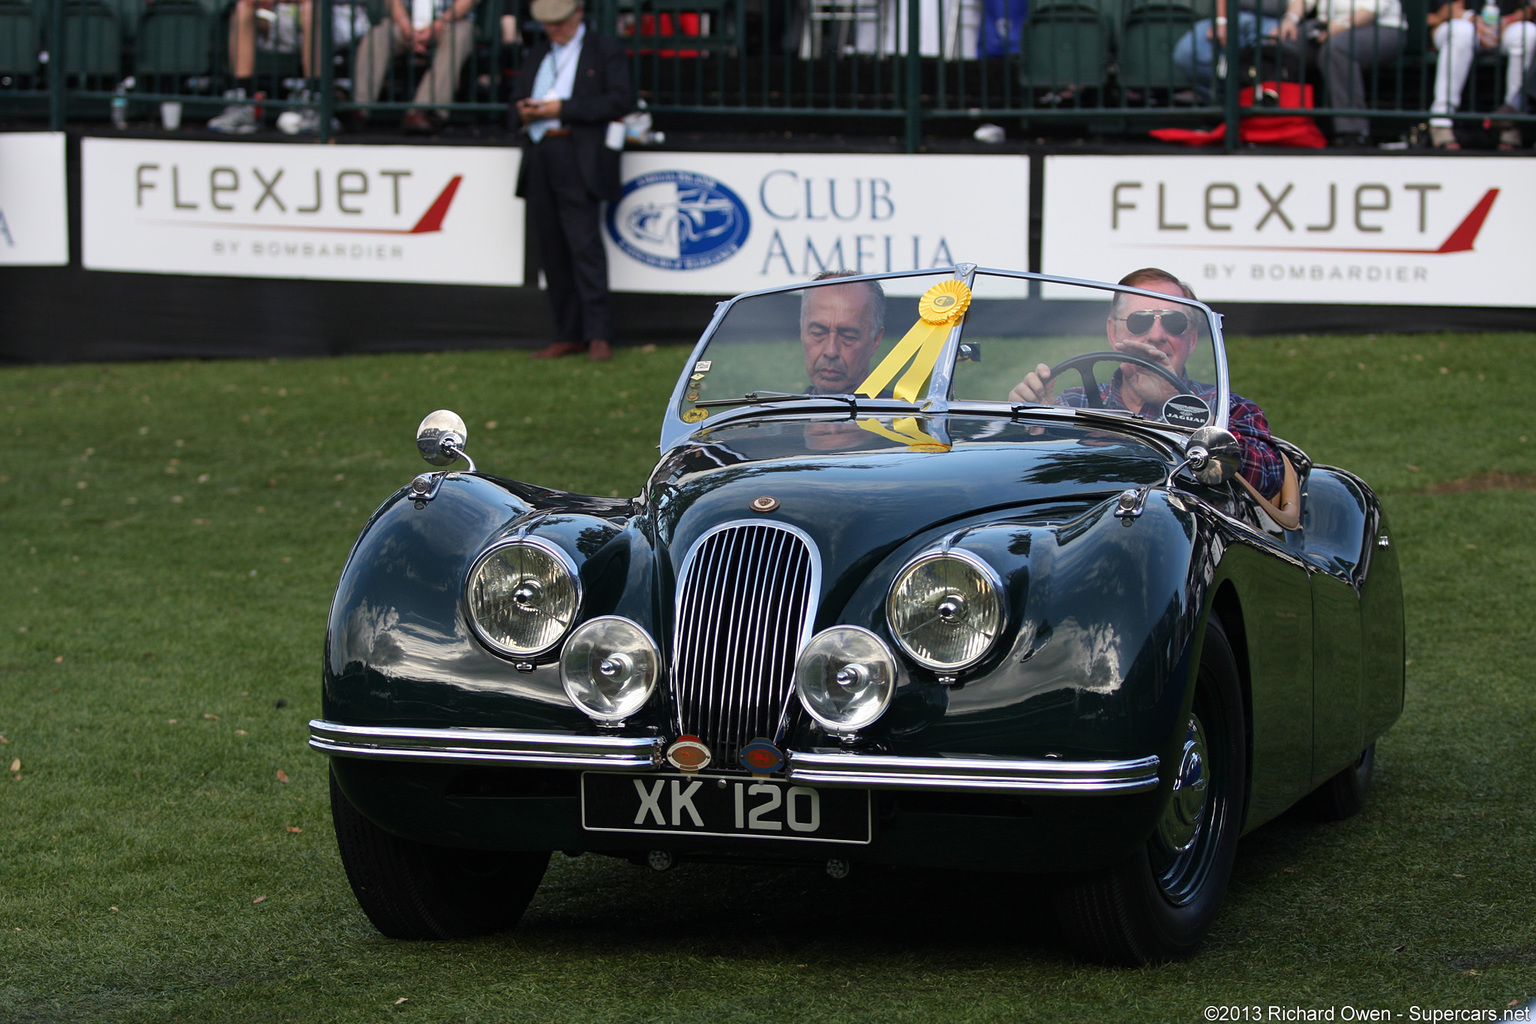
1083 364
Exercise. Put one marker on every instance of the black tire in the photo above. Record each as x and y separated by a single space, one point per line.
1158 904
1343 795
413 890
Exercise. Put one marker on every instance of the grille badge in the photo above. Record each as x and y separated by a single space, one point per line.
761 757
688 754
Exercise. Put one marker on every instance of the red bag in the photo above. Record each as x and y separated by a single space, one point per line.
653 25
1269 130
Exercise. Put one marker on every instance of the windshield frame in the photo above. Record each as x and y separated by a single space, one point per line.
937 400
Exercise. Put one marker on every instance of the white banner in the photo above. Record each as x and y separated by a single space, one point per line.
1305 229
435 214
34 209
709 223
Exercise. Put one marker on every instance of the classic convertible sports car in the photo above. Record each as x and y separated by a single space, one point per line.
909 585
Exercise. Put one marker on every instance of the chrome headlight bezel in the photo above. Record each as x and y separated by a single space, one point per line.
562 573
811 686
639 661
992 613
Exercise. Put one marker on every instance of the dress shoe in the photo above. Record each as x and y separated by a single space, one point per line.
599 350
1352 140
558 349
416 122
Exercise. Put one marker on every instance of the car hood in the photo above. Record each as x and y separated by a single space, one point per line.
860 487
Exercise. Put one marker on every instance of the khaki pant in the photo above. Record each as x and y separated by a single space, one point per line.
385 42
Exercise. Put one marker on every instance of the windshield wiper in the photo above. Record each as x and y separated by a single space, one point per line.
769 397
1081 412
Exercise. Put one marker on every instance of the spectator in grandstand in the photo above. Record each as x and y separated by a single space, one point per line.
281 26
1345 39
1194 55
568 98
443 27
1459 33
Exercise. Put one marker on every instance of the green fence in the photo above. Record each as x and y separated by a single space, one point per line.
908 71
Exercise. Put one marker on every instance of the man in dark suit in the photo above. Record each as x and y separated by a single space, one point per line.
569 97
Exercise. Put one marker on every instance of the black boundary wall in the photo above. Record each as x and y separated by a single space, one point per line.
69 314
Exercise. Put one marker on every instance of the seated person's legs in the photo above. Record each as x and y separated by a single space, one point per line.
448 56
239 118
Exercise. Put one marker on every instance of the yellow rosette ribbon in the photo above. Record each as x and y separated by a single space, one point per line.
940 309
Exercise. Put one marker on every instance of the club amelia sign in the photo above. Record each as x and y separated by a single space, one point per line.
376 213
719 223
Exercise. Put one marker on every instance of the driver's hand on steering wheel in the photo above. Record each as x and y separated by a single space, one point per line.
1152 389
1036 387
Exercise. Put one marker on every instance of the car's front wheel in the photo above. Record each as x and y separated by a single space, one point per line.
1158 904
413 890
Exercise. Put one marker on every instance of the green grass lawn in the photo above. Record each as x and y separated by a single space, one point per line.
172 532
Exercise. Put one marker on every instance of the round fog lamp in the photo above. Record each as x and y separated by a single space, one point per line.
609 668
845 678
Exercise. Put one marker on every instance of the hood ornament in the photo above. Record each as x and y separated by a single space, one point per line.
765 504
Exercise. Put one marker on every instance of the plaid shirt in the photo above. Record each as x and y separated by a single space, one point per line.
1262 464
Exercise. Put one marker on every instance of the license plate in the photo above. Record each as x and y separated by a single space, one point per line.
703 805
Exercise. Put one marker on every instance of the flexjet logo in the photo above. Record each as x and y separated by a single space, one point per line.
274 200
1366 209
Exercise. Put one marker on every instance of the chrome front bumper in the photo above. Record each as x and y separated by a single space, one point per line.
485 746
502 747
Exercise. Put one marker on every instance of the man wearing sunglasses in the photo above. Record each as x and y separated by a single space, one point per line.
1163 334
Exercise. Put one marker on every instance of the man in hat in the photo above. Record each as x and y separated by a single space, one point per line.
570 90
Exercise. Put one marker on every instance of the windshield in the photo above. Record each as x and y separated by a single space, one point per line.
935 339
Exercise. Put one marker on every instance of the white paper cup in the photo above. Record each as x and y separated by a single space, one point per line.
170 115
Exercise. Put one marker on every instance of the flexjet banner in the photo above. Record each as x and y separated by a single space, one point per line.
698 223
1306 229
432 214
34 211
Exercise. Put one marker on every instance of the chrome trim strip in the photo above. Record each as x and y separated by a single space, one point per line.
1003 775
485 746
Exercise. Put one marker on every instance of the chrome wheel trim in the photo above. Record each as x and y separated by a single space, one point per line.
1184 818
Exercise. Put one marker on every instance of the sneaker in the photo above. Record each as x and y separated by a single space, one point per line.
237 118
305 121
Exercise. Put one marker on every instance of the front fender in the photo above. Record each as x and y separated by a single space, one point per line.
399 650
1095 663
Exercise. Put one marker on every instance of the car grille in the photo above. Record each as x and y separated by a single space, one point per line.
744 608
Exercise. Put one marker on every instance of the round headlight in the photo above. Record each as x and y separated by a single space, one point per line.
609 668
523 596
946 609
845 677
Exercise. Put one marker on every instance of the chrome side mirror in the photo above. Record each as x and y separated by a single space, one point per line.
1214 455
441 437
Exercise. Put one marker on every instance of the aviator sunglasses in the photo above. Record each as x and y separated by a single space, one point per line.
1140 322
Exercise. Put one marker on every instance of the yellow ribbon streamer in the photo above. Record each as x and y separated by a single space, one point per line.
906 431
939 310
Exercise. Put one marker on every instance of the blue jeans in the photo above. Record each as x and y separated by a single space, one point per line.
1194 55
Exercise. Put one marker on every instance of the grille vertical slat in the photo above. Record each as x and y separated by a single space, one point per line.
745 602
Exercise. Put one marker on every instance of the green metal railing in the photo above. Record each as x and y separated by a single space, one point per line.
1100 68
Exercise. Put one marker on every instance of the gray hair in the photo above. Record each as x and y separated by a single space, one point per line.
875 311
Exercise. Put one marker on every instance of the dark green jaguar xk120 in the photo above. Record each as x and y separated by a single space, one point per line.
951 569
